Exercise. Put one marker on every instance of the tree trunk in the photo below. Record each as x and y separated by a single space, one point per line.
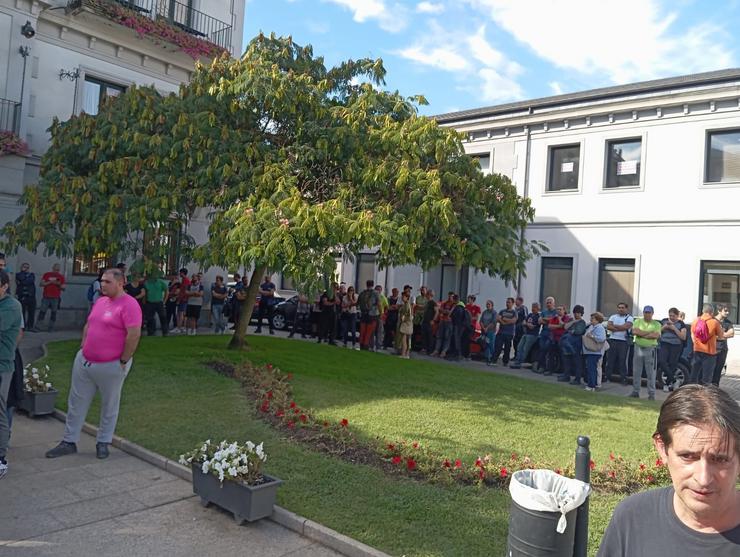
239 341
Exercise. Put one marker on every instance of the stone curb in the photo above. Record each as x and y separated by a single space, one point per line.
296 523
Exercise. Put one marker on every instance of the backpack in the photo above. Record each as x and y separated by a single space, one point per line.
701 331
363 301
91 291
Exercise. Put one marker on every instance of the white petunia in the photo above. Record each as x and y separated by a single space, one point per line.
232 471
204 468
250 446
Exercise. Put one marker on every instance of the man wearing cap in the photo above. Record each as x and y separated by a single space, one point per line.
647 334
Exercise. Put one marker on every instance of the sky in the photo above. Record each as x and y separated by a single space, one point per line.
462 54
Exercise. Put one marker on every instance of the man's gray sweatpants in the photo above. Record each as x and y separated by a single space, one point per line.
87 379
5 379
647 358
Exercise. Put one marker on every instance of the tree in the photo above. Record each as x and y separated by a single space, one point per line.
295 161
338 164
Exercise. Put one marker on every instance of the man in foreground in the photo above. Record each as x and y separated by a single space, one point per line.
109 340
698 439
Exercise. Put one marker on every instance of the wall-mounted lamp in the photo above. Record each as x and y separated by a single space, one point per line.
66 74
27 30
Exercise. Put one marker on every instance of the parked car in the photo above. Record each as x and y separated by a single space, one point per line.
280 320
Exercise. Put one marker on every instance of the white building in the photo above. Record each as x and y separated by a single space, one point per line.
61 58
636 190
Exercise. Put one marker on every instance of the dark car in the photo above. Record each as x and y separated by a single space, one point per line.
284 313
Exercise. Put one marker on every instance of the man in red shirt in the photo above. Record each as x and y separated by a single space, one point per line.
182 300
52 284
557 330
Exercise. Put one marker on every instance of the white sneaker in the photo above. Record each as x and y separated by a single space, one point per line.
3 468
589 389
665 388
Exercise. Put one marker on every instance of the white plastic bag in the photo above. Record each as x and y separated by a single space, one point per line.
544 490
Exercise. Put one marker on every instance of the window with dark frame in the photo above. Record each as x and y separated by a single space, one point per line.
91 265
564 167
720 284
623 163
484 161
95 91
365 270
723 156
556 280
616 284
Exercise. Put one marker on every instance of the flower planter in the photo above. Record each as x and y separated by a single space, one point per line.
245 502
38 404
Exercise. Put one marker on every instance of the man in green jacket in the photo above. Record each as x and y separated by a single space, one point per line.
10 328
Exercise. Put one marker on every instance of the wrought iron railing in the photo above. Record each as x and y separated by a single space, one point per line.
179 15
10 116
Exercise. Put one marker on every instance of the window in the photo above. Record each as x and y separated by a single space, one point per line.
95 91
616 284
286 282
162 243
564 165
623 163
720 283
556 279
91 265
365 270
484 161
723 156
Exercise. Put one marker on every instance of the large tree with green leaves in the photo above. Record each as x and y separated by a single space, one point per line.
296 161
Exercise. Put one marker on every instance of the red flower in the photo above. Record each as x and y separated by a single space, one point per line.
265 406
303 418
415 445
503 472
558 471
591 464
612 474
650 479
478 463
290 376
292 404
269 366
446 463
611 456
269 394
659 463
458 463
642 466
279 413
344 422
396 460
291 424
410 464
481 474
296 410
391 447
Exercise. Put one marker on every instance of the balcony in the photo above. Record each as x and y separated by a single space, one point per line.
177 14
10 116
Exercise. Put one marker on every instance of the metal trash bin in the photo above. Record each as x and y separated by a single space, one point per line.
542 519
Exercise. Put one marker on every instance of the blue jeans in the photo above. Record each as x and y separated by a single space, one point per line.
592 361
526 344
217 312
545 347
490 340
444 334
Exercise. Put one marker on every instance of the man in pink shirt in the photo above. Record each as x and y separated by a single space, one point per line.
109 340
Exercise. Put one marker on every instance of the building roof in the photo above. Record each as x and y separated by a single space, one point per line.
614 92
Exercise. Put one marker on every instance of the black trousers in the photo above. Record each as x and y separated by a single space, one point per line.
152 309
301 321
668 356
28 307
171 311
427 336
702 368
503 343
719 364
268 310
616 360
327 325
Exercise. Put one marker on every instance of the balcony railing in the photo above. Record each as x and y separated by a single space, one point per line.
178 14
10 116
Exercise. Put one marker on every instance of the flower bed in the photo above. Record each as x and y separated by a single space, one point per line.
271 392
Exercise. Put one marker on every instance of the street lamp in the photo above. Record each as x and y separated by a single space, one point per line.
27 30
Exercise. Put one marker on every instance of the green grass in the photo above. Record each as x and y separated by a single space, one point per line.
171 402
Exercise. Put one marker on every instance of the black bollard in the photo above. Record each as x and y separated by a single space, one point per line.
583 473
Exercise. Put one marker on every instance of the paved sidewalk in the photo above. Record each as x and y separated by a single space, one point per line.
79 506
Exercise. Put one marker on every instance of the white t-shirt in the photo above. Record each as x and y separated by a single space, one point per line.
617 319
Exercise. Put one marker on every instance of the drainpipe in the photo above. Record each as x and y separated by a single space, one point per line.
525 194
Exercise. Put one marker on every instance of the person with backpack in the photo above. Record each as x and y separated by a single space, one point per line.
705 332
369 304
460 321
93 291
672 338
646 331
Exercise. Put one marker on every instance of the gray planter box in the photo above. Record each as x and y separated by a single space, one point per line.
245 502
38 404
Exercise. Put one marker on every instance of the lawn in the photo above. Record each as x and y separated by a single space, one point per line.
171 401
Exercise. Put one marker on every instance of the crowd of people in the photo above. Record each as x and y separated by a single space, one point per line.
580 349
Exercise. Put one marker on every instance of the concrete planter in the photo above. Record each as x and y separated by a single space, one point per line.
246 502
38 404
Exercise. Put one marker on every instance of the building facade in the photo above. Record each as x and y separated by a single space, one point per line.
635 189
62 58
